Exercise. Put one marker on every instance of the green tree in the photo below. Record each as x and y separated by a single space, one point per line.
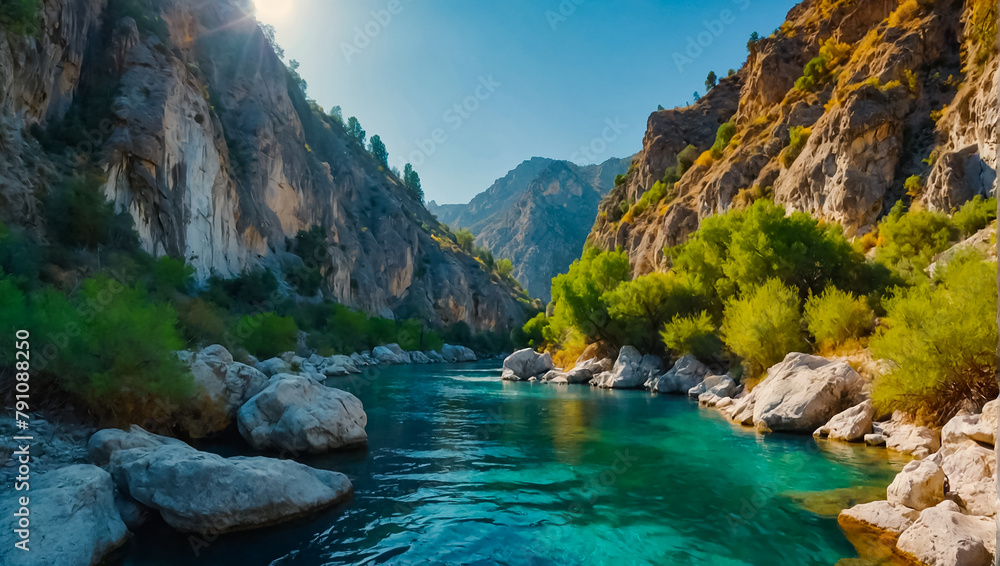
579 296
505 268
940 338
763 326
355 131
21 17
412 182
975 215
641 307
266 335
465 239
378 151
711 81
908 241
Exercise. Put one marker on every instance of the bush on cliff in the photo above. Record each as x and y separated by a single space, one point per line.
975 215
909 240
763 325
940 338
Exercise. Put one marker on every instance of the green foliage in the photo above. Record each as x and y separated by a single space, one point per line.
763 326
975 215
21 17
741 249
579 295
723 136
797 138
658 192
78 215
311 246
378 151
355 131
202 323
411 180
908 241
465 239
266 335
914 186
252 290
836 317
111 346
505 268
534 331
170 277
686 159
940 339
695 335
812 74
620 179
640 308
711 81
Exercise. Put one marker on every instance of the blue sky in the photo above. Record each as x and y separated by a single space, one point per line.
467 89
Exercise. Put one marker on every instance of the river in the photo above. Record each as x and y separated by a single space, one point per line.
462 468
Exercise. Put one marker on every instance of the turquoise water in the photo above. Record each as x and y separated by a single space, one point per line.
462 468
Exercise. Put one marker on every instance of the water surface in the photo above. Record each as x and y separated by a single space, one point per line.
462 468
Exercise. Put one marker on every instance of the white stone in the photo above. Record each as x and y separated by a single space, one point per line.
943 536
850 425
803 392
920 485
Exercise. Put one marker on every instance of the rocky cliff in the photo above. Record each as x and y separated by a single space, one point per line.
847 108
538 216
209 143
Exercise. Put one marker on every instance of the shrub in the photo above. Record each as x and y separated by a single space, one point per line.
620 179
112 347
797 138
975 215
21 17
723 136
812 74
940 339
534 331
640 308
202 323
908 241
465 239
266 335
914 186
763 326
505 268
837 316
686 159
170 277
695 335
13 314
78 215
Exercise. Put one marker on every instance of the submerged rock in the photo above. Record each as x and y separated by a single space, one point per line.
301 416
200 492
878 516
850 425
73 519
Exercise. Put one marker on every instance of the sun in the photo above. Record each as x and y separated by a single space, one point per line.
272 11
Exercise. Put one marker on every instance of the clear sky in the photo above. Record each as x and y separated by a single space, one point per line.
467 89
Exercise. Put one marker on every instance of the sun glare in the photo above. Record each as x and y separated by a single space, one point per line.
273 11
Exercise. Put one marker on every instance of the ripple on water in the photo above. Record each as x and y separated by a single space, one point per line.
462 468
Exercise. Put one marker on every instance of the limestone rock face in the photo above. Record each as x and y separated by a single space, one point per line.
221 160
73 518
868 128
298 415
233 493
851 425
803 392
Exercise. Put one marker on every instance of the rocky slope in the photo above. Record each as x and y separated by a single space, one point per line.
898 90
207 140
538 216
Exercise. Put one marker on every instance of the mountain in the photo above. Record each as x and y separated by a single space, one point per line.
538 215
849 107
201 133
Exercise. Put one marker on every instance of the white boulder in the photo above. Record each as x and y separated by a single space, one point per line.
943 536
452 353
920 485
686 373
631 370
301 416
850 425
391 354
524 364
879 516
